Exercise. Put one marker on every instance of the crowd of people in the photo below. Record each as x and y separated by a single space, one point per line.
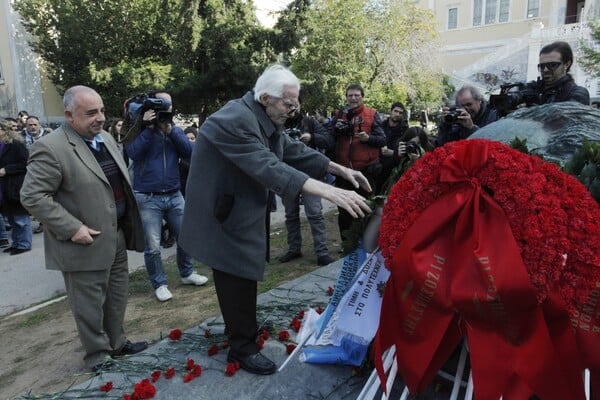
213 188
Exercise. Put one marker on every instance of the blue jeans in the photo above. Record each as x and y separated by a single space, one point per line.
21 230
153 209
313 208
3 234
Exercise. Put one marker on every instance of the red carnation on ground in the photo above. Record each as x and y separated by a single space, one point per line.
170 373
260 343
155 376
188 377
290 348
196 371
107 387
189 364
212 350
231 369
143 390
300 314
175 334
207 333
295 324
284 336
265 334
319 310
329 291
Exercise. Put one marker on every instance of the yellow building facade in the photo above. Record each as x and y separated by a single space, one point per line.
489 42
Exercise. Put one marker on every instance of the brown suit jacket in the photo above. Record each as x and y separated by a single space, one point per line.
64 188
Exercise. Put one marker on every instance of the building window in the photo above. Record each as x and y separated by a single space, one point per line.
477 10
533 8
452 18
495 11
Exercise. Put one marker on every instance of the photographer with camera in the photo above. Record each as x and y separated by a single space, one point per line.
359 136
558 85
394 127
470 113
156 152
310 132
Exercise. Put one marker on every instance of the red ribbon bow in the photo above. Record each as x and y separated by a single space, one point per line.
458 271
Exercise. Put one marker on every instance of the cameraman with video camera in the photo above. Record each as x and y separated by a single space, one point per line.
359 136
156 152
470 113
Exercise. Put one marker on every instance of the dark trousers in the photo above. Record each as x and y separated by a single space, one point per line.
237 299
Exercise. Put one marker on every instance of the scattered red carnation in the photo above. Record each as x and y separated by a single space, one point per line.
290 348
265 334
143 390
155 376
319 310
212 350
196 371
127 396
232 368
283 336
300 314
107 387
175 334
189 364
295 324
329 291
207 333
260 343
170 373
188 377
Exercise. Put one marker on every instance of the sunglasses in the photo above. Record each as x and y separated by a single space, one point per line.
551 66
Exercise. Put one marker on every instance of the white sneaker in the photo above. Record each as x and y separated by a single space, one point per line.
163 293
194 279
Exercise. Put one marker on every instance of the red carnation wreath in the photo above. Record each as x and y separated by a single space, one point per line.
538 292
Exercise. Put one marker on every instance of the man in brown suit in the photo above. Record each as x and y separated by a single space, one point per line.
78 186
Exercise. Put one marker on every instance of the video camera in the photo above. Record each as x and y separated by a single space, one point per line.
513 94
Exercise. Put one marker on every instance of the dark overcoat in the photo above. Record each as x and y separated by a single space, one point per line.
239 156
13 158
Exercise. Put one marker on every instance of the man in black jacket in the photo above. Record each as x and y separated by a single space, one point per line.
555 62
394 127
472 112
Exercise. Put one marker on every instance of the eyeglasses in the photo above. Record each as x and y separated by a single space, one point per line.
551 66
290 105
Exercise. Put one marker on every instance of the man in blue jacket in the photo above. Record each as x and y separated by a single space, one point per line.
156 182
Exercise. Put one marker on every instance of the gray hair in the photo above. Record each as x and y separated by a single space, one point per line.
274 80
474 92
70 93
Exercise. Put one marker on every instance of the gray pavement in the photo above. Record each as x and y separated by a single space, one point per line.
296 381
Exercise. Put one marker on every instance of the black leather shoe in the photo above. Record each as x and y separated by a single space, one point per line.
289 256
254 363
325 260
129 348
14 252
9 249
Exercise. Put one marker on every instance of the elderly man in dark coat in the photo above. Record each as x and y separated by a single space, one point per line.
240 156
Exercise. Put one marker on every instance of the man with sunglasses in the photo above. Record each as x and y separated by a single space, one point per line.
156 152
558 85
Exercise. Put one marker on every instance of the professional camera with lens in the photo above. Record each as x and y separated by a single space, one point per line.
513 94
452 115
345 127
412 148
293 133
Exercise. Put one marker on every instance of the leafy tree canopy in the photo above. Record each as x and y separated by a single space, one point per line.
591 51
